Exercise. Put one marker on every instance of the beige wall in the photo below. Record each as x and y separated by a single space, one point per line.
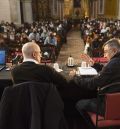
111 8
10 11
5 10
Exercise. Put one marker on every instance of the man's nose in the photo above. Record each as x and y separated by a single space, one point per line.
104 55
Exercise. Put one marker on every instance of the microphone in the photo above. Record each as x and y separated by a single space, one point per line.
46 56
16 59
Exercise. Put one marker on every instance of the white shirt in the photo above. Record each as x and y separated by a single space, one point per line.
33 36
86 48
31 60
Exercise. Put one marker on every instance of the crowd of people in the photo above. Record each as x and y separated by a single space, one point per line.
96 34
45 33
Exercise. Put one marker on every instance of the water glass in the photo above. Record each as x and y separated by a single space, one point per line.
56 66
84 64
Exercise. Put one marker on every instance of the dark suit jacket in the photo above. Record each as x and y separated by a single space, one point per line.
31 105
29 71
109 74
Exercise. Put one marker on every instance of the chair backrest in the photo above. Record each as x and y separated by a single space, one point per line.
31 105
112 106
108 106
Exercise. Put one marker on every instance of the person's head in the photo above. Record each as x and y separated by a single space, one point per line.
111 47
34 31
1 39
51 34
31 50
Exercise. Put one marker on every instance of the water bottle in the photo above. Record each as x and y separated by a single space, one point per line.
70 61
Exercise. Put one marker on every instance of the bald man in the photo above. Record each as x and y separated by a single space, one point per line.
32 70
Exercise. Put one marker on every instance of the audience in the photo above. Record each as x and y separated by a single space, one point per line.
51 39
34 35
3 45
99 31
15 36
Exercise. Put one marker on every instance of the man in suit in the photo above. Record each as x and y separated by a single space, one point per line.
109 74
32 70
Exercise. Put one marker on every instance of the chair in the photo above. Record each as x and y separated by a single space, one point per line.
111 117
31 105
49 53
97 52
100 59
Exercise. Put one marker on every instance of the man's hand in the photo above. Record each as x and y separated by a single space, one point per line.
72 73
87 59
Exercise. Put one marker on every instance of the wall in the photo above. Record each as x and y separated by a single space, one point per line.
5 10
111 8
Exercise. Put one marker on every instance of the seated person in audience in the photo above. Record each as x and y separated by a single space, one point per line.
51 39
3 45
43 36
87 49
32 70
109 74
34 35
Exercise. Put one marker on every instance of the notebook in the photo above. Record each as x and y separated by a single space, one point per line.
2 59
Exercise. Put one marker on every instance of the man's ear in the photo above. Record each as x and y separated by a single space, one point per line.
33 54
115 50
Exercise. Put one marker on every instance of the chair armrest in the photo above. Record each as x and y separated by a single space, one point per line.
110 88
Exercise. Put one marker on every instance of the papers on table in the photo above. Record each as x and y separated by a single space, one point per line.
87 71
56 67
59 70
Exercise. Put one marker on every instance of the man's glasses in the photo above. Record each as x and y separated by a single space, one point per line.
39 52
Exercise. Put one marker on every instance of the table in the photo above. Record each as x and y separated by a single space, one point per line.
5 75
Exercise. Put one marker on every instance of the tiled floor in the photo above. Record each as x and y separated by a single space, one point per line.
74 47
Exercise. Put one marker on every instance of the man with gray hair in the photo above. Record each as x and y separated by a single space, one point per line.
109 74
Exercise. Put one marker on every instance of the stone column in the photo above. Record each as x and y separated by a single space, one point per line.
27 11
15 11
53 7
18 12
5 10
59 8
118 9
